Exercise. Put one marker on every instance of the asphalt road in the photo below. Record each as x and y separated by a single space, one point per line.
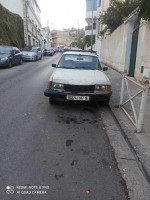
62 148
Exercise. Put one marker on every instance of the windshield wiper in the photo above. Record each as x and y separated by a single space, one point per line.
85 68
67 67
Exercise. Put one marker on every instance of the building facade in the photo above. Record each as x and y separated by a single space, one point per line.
61 38
94 10
30 13
46 38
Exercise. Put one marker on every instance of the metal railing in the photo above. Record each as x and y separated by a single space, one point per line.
137 120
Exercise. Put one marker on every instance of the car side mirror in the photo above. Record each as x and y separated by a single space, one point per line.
105 68
54 65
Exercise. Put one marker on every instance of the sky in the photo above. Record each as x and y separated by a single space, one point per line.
63 13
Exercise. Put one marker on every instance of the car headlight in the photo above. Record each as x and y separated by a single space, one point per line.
5 58
57 86
99 88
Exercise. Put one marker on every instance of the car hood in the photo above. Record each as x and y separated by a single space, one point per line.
28 53
4 55
79 77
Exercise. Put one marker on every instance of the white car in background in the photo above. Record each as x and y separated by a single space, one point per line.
31 53
78 76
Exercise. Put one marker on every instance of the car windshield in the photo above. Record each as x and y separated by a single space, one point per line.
86 62
5 50
31 49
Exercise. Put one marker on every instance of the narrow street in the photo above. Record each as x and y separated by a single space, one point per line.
64 146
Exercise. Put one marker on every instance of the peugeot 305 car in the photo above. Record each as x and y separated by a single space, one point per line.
10 56
78 76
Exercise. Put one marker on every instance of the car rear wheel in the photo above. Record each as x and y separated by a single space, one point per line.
52 101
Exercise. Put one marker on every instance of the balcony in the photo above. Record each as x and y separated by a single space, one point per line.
88 16
89 27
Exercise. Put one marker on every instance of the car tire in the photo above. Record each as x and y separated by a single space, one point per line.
52 101
10 64
107 102
35 59
21 61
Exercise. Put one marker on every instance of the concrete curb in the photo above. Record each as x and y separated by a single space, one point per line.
137 185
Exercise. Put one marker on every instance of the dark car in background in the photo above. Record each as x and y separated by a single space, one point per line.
31 53
50 52
10 56
44 52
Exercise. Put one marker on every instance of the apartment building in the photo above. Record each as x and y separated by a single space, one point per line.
46 39
61 38
94 9
30 12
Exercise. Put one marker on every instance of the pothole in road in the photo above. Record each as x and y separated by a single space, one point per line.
73 162
69 142
57 177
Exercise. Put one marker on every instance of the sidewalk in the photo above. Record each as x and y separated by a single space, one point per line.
139 142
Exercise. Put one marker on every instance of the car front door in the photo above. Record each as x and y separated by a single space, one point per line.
17 56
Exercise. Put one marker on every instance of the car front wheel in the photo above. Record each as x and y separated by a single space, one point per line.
20 62
10 64
35 58
107 102
52 101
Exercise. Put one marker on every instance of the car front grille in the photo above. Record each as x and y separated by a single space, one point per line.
79 88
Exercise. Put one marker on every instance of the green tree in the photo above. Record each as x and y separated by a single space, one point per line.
144 9
114 15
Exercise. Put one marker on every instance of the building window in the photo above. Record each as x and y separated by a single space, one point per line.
29 40
33 42
99 3
91 5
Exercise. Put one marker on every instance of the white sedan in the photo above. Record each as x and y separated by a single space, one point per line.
78 76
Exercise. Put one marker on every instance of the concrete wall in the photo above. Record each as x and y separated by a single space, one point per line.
113 48
143 50
15 6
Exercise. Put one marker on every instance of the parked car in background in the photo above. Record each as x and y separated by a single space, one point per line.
31 53
61 49
10 56
78 77
55 49
44 52
50 52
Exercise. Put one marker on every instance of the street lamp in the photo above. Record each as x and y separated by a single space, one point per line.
78 30
92 26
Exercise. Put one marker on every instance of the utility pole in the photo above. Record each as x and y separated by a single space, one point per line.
92 26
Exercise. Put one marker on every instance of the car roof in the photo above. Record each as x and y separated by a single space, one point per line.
7 46
84 53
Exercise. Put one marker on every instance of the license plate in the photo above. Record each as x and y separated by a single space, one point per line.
77 98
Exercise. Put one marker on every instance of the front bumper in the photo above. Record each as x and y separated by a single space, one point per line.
62 96
30 58
4 63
